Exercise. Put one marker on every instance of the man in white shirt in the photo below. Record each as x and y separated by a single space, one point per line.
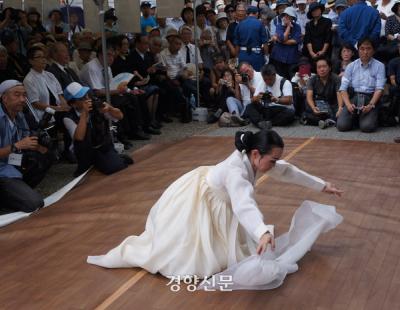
175 63
170 57
249 81
272 103
187 51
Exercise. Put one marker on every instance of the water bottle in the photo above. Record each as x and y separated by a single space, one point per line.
192 101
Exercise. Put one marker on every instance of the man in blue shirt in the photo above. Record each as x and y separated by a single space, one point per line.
359 21
147 21
250 39
366 76
15 193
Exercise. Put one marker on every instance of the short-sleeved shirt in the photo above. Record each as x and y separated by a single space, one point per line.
275 90
326 92
147 24
38 86
11 132
394 69
92 74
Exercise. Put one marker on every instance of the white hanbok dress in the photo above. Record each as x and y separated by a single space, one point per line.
204 222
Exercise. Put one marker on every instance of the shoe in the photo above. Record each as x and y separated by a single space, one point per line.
151 130
139 135
127 160
322 124
397 140
326 123
238 120
212 118
264 125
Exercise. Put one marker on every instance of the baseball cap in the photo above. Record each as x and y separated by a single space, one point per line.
75 91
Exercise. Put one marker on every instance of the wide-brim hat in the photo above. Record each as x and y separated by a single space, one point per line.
221 16
291 11
313 7
172 33
330 4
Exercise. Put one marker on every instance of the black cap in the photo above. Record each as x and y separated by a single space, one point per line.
145 3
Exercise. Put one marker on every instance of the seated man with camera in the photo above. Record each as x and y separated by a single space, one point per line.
88 125
366 76
323 97
23 161
272 103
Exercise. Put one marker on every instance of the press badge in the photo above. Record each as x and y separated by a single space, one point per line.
15 159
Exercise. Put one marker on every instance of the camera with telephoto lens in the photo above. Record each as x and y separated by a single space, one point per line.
100 135
266 97
245 78
42 131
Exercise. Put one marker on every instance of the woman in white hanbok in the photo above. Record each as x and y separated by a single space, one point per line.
208 220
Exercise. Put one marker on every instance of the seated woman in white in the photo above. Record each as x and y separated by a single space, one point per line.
208 218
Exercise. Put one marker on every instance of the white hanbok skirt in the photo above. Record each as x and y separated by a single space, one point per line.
192 230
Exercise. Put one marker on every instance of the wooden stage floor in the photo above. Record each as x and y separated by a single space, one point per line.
356 266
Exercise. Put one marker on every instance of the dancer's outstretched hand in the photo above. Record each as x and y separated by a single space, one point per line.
264 241
331 189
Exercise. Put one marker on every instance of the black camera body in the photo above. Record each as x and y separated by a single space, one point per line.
245 78
266 97
41 132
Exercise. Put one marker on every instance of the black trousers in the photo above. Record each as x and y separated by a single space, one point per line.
135 112
16 195
278 115
106 160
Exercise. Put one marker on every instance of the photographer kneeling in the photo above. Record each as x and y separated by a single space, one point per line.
272 103
23 161
88 126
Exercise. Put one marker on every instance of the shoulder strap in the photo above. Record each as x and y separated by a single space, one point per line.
281 85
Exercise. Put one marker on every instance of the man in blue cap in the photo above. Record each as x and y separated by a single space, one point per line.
250 39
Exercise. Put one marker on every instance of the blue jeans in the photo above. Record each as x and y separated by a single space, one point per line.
235 106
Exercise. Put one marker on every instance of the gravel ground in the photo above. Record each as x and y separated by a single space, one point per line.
61 173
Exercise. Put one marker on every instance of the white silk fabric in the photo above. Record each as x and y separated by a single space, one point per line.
268 271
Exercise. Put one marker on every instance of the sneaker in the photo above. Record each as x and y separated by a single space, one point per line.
264 125
303 121
322 124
